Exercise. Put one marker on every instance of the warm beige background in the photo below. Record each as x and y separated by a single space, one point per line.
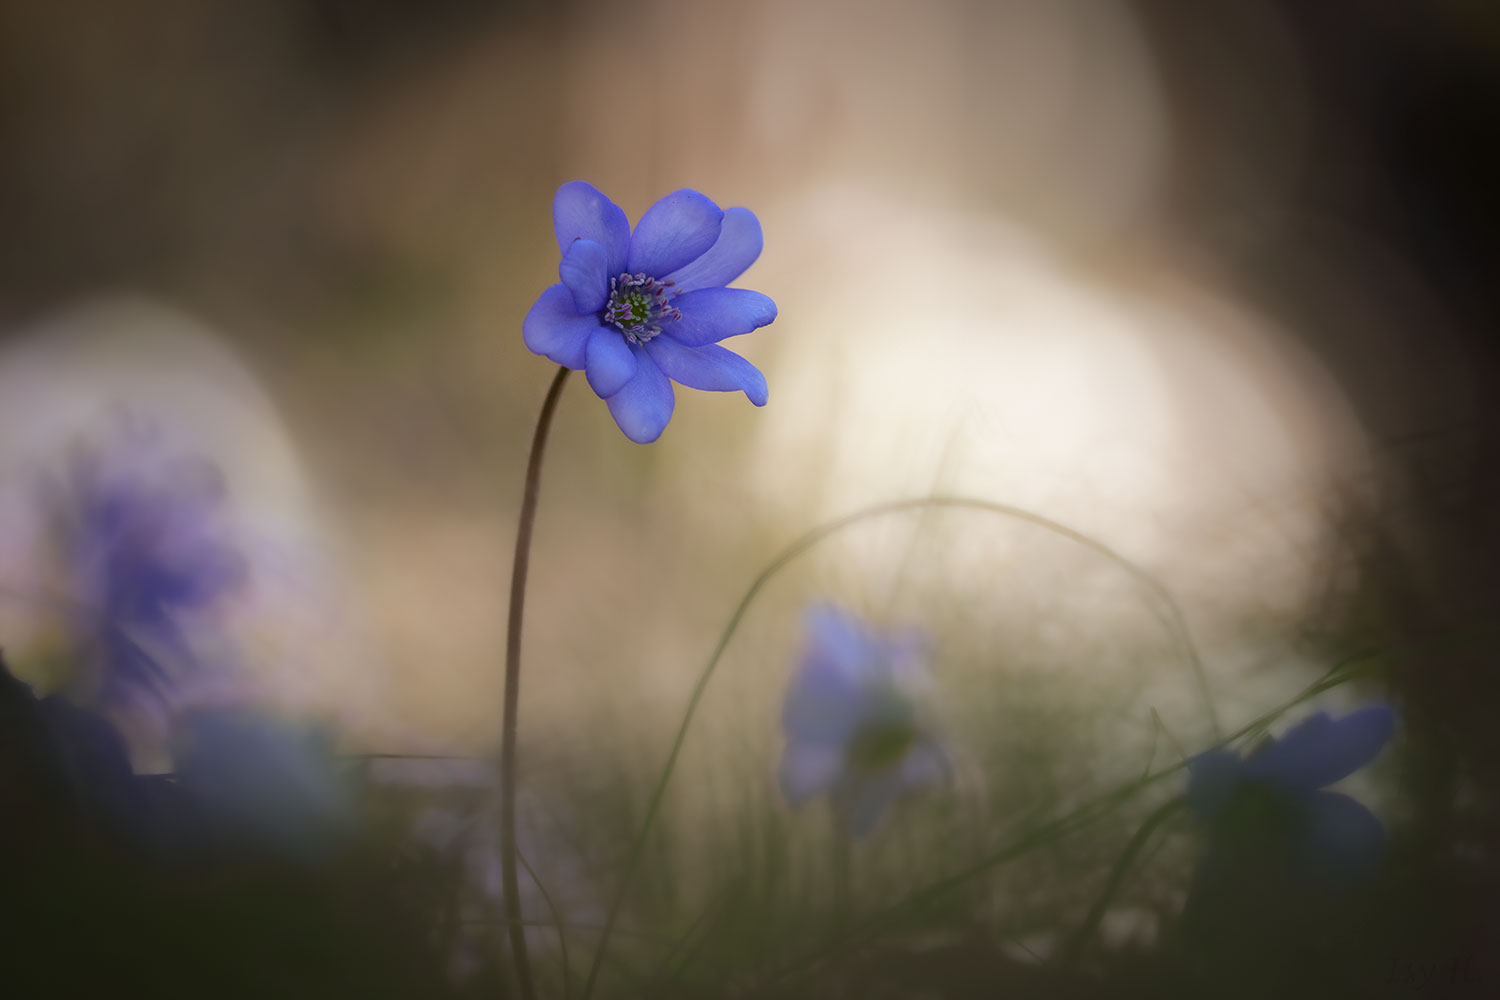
990 283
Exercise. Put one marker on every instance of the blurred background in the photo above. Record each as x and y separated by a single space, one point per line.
1211 283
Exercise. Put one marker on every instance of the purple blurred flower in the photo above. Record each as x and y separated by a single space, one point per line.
147 547
852 721
640 310
1274 798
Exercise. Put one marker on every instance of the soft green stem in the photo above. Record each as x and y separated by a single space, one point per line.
843 877
562 934
508 846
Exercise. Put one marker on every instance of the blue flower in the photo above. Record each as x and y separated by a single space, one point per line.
149 537
1273 800
852 722
144 530
640 310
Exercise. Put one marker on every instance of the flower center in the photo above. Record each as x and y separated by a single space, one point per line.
637 305
879 746
1259 812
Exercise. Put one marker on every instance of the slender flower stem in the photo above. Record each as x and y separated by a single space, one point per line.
557 920
508 846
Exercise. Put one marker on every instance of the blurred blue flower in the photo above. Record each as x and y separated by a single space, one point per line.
263 779
640 310
852 722
149 535
1273 800
147 546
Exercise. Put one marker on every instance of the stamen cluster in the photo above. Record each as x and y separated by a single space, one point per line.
637 305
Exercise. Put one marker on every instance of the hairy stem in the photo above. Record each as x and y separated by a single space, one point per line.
508 846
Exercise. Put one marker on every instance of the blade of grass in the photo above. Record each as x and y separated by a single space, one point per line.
1085 932
562 937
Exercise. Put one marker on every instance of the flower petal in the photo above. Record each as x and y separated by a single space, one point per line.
643 405
808 769
1212 777
1341 841
674 232
555 329
609 362
926 764
906 653
739 244
826 697
585 270
710 367
580 212
1320 751
711 314
837 634
823 703
863 801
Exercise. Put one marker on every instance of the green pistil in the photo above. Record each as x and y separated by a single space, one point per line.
638 305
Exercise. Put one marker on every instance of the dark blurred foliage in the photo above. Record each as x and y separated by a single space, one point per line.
1405 156
119 884
350 38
